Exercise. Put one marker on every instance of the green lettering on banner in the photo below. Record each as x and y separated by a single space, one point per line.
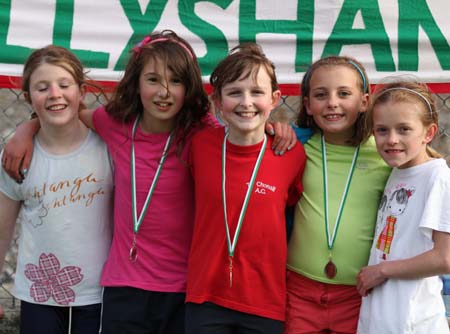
62 35
302 27
215 40
373 34
142 25
11 54
412 15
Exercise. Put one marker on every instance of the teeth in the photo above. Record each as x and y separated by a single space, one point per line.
163 104
55 108
247 114
332 117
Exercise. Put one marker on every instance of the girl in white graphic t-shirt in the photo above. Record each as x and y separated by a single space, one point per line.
411 248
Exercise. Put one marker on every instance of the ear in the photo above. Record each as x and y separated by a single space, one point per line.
217 102
430 133
364 103
27 97
83 91
307 106
276 95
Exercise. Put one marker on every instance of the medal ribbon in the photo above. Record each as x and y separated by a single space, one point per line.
232 245
331 238
138 221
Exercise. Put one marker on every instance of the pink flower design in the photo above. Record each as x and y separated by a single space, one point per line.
49 280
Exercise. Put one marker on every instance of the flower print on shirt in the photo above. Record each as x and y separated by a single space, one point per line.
396 206
52 281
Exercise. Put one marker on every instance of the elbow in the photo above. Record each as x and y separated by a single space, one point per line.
445 264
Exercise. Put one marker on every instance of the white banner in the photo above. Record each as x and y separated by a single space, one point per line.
388 37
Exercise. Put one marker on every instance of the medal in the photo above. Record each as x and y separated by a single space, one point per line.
138 221
330 268
133 250
232 245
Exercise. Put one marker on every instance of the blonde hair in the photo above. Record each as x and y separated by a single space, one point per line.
410 92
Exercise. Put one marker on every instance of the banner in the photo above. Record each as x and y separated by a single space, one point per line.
403 37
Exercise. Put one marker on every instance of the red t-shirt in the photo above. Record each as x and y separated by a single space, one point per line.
259 261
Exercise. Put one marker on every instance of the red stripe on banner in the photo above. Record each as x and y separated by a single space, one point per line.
286 89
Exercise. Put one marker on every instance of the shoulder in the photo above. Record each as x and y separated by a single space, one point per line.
207 134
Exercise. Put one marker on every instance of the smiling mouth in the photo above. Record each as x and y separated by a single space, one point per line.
57 107
246 114
393 151
163 104
333 117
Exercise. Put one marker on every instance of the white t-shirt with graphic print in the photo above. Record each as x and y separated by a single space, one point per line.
66 224
416 202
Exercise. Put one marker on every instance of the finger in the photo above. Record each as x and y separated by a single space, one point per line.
269 128
293 140
278 141
26 163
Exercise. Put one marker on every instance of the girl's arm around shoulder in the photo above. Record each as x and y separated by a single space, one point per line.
431 263
87 117
18 151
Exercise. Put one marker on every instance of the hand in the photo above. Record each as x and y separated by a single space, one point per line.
368 278
285 137
17 157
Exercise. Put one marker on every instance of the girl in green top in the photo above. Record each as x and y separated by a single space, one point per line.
334 219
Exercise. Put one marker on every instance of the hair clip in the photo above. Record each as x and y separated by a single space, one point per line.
411 91
361 73
138 47
148 40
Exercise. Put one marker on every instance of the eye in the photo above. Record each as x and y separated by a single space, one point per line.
176 81
380 130
152 79
319 95
344 93
258 92
404 129
233 93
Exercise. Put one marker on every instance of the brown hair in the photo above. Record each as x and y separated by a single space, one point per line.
172 51
409 92
244 59
361 133
57 56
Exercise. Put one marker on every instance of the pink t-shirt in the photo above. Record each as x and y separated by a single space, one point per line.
164 237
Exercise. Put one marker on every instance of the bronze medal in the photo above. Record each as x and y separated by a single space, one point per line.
330 270
133 253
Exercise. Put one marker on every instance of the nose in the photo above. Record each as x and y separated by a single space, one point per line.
246 100
54 91
392 138
333 101
164 89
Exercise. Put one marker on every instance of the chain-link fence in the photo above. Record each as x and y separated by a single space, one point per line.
14 110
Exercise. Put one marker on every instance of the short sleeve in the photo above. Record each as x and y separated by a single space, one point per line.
436 213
